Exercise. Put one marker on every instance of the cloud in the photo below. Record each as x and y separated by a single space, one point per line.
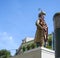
4 33
7 41
11 38
5 37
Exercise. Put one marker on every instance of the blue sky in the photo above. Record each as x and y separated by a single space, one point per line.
18 17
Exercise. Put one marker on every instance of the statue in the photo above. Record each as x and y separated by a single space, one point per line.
42 30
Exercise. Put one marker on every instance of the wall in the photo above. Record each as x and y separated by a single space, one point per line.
37 53
46 53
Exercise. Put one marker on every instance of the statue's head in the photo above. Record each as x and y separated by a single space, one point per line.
41 14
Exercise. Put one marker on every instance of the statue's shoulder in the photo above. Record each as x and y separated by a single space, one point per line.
37 21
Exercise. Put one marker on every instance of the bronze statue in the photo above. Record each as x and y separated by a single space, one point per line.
42 30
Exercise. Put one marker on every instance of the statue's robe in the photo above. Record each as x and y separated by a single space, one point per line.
39 33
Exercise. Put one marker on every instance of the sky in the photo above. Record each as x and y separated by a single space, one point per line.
18 17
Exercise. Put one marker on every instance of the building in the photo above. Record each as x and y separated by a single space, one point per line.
25 42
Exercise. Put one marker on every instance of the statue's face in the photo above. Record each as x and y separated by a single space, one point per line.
42 16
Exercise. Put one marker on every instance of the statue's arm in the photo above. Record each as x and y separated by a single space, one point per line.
37 24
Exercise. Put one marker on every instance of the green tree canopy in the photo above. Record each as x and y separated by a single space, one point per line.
4 53
50 40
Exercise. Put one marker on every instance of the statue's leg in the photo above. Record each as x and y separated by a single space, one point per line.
42 41
45 39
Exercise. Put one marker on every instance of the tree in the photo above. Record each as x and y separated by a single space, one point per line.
50 40
4 53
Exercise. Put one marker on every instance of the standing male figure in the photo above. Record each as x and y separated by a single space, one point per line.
39 36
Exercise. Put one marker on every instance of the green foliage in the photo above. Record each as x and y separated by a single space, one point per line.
33 45
50 40
4 53
49 47
24 48
28 47
50 37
